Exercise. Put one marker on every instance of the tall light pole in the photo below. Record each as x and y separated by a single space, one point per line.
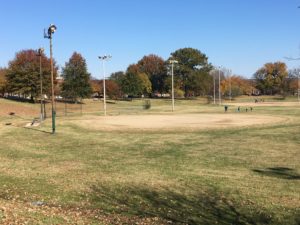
219 85
230 93
298 87
104 58
172 62
40 52
51 30
214 86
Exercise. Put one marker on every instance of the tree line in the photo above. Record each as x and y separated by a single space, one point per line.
150 76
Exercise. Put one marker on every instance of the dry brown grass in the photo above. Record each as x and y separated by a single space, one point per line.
21 109
195 166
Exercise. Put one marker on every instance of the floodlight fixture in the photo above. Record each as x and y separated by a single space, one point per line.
51 30
173 61
40 51
104 57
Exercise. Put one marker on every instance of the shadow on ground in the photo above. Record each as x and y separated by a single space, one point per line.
279 172
176 208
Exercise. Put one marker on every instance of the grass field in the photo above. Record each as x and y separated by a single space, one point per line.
93 174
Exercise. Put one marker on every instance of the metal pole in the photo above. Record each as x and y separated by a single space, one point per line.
298 87
41 84
230 85
173 100
214 88
52 87
104 91
44 108
65 108
219 86
172 75
105 57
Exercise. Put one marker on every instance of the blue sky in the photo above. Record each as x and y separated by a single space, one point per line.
241 35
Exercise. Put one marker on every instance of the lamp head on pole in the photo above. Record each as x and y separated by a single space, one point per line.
52 28
105 57
172 61
40 51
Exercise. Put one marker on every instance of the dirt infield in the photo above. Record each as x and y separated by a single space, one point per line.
178 121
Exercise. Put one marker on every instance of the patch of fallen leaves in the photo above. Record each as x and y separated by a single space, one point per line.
14 212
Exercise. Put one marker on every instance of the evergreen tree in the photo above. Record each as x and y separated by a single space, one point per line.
193 69
76 78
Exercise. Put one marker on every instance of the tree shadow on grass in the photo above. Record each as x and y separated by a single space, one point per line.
174 207
279 172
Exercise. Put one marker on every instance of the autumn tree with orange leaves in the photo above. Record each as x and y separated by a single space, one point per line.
293 81
154 67
271 78
3 81
236 86
23 74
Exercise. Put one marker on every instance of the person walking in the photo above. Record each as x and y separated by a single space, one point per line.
225 108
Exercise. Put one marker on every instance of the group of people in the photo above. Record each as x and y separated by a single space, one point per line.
238 109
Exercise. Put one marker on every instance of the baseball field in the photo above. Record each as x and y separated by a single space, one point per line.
196 165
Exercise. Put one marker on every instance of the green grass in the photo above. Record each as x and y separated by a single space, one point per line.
226 176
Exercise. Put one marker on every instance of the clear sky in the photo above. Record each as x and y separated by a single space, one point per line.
241 35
